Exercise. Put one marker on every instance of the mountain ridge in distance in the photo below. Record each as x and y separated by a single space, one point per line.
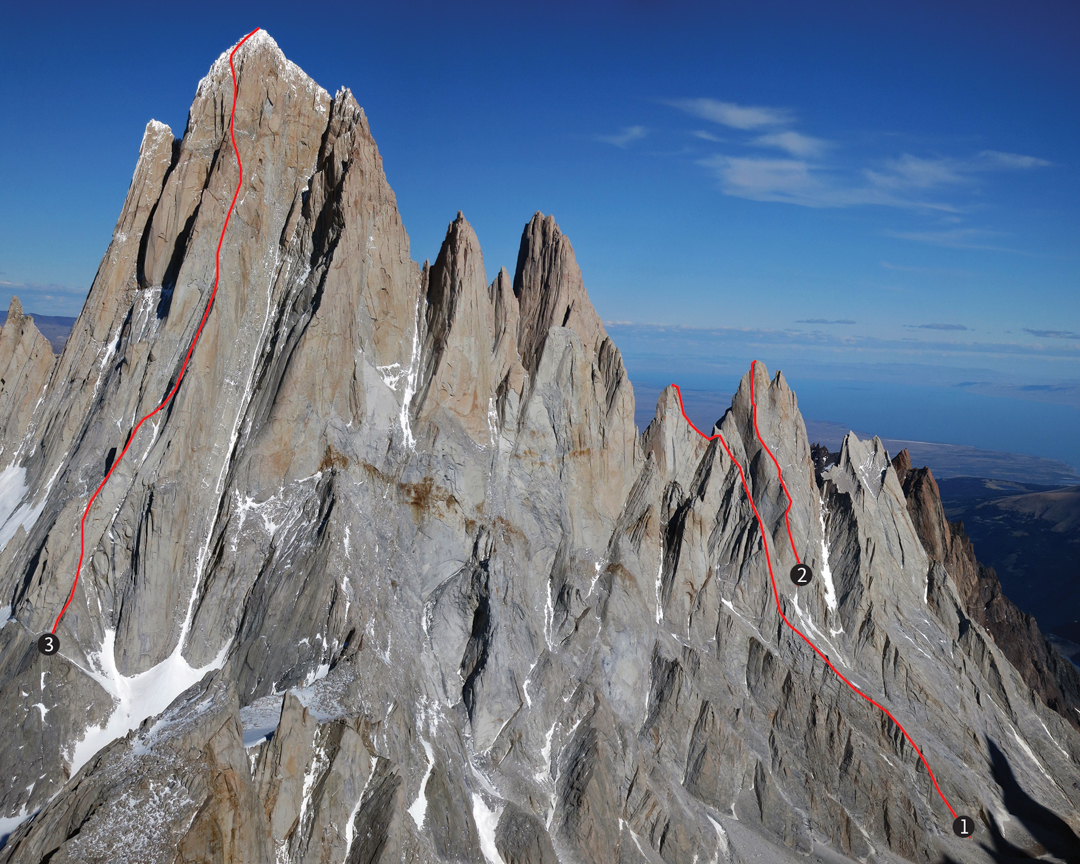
411 584
962 460
947 460
1027 533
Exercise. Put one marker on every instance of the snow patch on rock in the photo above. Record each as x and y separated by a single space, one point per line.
350 826
486 821
136 698
826 571
9 823
419 807
14 511
721 839
545 754
411 379
660 585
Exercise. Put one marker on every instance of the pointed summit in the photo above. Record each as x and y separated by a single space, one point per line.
26 361
550 291
459 329
415 507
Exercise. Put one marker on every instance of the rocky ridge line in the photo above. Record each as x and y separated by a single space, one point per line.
397 579
1050 676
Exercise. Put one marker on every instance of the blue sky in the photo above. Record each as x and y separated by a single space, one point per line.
881 193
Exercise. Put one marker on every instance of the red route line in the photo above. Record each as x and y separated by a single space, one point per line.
772 578
191 348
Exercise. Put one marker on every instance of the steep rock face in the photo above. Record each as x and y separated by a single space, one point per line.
26 359
456 372
402 522
1050 676
548 284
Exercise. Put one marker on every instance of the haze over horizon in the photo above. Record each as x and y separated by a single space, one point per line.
881 201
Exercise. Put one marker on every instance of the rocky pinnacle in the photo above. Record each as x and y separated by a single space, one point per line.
395 577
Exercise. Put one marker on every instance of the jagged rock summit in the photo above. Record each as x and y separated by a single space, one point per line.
395 577
26 359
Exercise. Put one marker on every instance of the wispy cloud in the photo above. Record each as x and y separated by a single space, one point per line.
625 138
732 114
766 179
942 271
41 288
794 143
915 172
797 181
904 182
824 321
51 299
995 158
912 172
957 238
934 341
803 177
1053 334
707 136
936 327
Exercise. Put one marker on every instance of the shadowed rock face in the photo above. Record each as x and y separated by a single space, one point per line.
396 578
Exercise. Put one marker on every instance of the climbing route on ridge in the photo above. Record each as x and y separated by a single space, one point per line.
776 594
49 643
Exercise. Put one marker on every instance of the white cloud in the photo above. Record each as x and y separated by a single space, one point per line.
794 143
628 135
766 179
997 159
929 271
912 172
803 177
796 181
50 299
956 238
51 287
733 115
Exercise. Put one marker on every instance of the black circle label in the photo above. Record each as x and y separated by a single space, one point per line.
802 575
48 644
963 826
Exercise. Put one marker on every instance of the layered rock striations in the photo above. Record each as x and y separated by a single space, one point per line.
395 577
